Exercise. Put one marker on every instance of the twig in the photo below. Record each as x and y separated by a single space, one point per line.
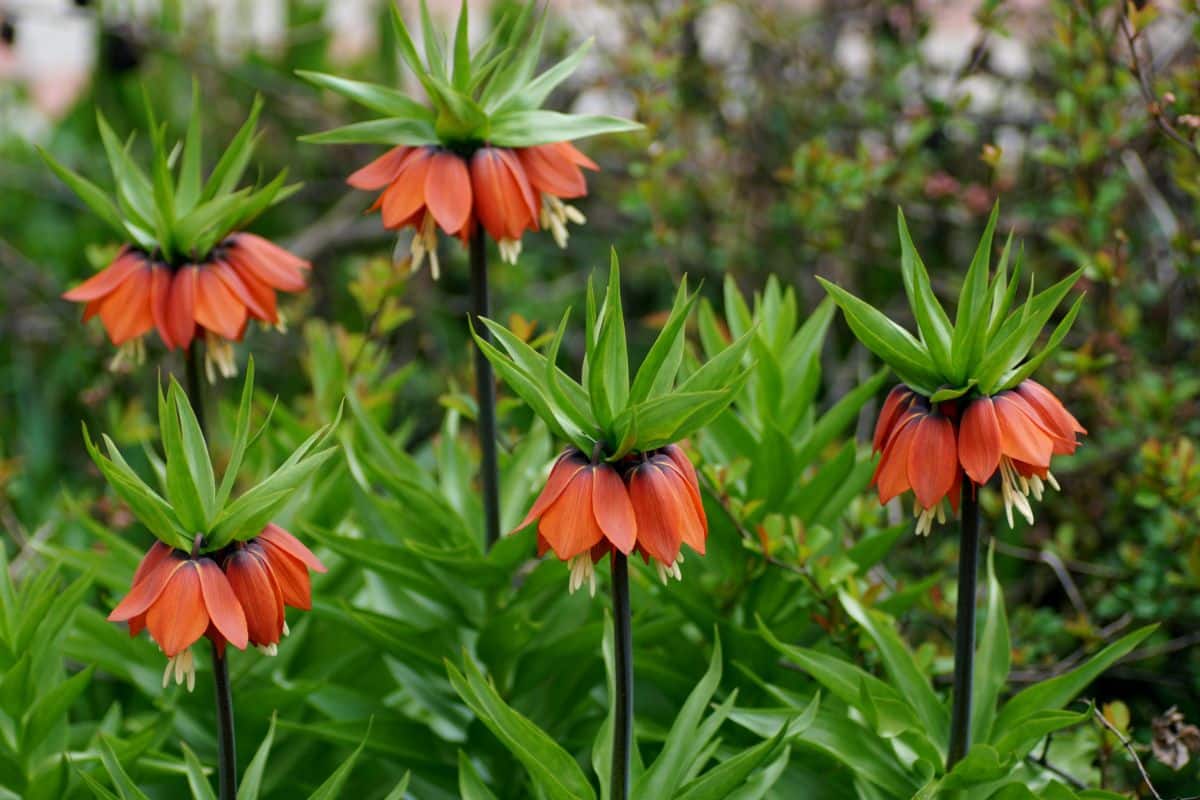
1080 567
1042 762
1130 749
1153 104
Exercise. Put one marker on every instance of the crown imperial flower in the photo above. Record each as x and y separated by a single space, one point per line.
967 404
482 153
638 492
186 268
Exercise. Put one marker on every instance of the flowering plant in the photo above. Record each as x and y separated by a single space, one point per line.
482 151
187 267
967 404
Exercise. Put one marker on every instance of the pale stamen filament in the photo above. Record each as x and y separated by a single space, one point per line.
582 571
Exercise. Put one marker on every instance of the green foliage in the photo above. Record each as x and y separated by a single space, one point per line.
986 348
490 95
190 504
177 217
602 409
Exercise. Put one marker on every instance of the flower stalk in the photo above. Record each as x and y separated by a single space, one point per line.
222 691
964 632
485 387
623 671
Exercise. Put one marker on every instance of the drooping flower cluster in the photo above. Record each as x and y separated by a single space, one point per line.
187 266
967 403
927 447
212 299
236 596
506 190
479 150
647 502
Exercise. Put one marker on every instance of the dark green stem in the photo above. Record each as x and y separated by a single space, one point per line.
623 670
226 749
964 632
485 387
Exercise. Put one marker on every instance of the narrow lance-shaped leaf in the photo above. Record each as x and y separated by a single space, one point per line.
970 322
188 190
383 99
887 340
931 318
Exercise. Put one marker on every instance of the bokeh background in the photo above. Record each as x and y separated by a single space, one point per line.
780 138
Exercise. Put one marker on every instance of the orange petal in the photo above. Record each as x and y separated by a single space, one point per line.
572 152
503 198
448 191
154 556
612 509
1053 415
181 306
217 308
1021 437
178 617
160 290
553 171
979 440
694 530
523 202
270 251
107 279
406 195
381 171
898 401
570 524
127 312
932 459
222 604
258 593
891 476
660 515
292 546
566 466
151 578
290 574
241 290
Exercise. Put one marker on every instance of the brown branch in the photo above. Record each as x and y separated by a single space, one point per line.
1153 103
1129 748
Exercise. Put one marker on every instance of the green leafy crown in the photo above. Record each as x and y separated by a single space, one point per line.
986 349
191 502
177 216
604 407
490 95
